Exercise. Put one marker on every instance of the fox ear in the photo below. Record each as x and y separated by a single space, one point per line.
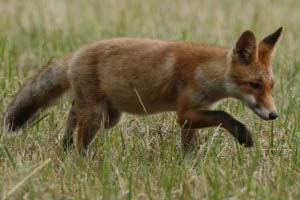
266 46
245 50
272 39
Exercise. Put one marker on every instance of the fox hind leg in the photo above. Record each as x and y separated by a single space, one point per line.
89 122
68 141
91 119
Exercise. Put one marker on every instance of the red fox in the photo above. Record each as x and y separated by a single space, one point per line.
147 76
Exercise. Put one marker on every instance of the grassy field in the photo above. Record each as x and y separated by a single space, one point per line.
141 158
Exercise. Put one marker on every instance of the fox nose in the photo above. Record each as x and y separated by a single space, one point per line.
273 115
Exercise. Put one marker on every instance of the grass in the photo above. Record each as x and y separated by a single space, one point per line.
141 158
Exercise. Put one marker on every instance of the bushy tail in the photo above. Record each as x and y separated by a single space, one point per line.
37 93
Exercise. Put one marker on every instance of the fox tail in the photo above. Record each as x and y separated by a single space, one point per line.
36 94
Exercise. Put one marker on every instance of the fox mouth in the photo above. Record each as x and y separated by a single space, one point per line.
262 112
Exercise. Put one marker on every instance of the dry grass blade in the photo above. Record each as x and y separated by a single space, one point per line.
37 169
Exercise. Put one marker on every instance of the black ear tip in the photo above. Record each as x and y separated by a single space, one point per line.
273 38
279 30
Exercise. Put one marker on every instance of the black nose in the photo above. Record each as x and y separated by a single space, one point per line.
273 115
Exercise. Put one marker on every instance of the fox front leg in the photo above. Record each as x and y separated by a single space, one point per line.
195 119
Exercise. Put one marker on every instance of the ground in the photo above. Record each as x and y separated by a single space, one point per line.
141 158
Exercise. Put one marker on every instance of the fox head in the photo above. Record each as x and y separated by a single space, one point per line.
250 76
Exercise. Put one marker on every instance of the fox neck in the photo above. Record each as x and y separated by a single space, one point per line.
215 74
214 81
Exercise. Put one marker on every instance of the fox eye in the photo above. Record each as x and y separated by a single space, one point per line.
255 86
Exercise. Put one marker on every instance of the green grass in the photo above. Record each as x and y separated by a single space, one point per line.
141 158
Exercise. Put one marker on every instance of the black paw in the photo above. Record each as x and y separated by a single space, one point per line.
243 135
